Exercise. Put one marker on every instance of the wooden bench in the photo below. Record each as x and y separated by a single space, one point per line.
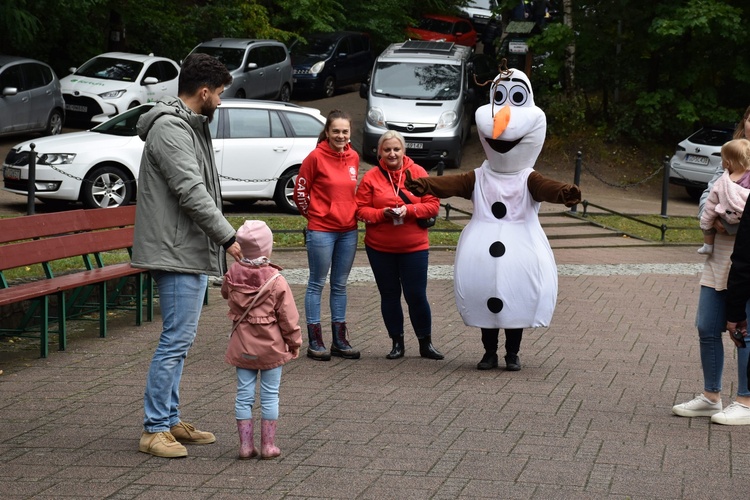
83 237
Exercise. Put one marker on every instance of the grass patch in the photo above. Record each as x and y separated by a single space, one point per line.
679 229
287 231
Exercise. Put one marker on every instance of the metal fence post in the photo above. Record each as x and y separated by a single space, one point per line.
32 181
577 176
665 188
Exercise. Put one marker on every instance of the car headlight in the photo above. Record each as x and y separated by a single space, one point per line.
112 94
447 119
375 117
56 158
317 67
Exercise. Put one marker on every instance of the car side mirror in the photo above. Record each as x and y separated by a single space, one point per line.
72 69
150 80
364 88
10 91
252 65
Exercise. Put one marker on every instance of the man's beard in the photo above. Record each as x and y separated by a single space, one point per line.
208 111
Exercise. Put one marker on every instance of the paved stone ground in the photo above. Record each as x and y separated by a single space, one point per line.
588 416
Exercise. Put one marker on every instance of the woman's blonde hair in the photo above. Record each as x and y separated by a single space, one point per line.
392 134
737 153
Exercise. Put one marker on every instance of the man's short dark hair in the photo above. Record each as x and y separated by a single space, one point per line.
201 70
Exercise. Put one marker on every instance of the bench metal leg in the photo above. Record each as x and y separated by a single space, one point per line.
103 309
62 324
44 321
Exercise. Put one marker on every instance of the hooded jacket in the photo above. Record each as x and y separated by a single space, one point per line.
260 341
726 199
376 192
325 187
179 225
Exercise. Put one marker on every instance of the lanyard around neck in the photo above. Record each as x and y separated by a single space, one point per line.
397 186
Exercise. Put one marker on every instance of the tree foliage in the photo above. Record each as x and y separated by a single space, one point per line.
643 69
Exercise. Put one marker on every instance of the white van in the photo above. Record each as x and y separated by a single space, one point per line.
423 90
479 13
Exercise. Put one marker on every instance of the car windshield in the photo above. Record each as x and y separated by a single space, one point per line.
436 82
435 25
315 47
483 4
123 124
231 58
109 68
711 136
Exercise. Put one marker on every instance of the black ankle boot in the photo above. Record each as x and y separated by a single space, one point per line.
489 361
398 348
427 351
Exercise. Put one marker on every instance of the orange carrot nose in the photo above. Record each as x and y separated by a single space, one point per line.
502 118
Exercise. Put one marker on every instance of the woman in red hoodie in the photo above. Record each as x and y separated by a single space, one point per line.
324 194
397 244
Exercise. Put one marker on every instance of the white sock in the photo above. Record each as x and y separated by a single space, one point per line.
706 249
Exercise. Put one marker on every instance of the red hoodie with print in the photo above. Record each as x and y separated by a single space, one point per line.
325 188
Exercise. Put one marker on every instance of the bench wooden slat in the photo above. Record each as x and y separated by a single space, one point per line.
27 291
62 247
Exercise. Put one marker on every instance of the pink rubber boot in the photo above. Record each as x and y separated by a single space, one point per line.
267 434
247 446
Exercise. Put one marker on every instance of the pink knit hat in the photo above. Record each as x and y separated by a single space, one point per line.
255 239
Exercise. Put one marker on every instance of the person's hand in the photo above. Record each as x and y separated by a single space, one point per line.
414 186
235 251
295 351
395 213
737 332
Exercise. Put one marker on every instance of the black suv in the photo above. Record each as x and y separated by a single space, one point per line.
326 61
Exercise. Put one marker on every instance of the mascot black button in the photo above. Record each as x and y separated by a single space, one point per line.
499 210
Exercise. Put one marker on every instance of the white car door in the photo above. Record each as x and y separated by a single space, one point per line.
252 153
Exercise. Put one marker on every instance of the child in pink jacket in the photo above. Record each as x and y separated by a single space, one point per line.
266 334
728 196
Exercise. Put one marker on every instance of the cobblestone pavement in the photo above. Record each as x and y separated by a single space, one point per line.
588 416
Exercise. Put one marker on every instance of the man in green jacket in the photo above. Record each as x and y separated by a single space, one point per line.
180 235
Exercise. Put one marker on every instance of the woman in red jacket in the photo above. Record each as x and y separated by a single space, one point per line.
324 194
397 246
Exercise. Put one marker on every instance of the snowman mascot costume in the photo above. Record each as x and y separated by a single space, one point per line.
505 274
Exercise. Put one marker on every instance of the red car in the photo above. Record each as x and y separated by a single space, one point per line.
436 27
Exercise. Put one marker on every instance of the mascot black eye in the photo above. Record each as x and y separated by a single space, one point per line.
501 94
518 95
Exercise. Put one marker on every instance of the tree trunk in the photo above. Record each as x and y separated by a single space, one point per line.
570 50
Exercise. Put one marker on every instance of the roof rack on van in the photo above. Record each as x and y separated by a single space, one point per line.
426 47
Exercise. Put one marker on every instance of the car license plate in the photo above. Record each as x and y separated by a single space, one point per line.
76 108
414 145
699 160
11 173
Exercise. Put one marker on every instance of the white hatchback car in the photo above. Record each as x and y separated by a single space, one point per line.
114 82
259 148
697 158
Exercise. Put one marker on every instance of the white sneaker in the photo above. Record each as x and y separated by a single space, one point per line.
701 406
734 414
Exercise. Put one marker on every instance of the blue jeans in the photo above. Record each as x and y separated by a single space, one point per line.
334 252
393 273
711 321
180 300
270 380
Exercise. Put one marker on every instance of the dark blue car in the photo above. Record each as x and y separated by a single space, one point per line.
327 61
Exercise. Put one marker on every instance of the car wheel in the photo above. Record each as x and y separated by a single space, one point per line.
107 187
134 104
240 94
456 162
284 195
285 95
695 193
329 87
54 123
